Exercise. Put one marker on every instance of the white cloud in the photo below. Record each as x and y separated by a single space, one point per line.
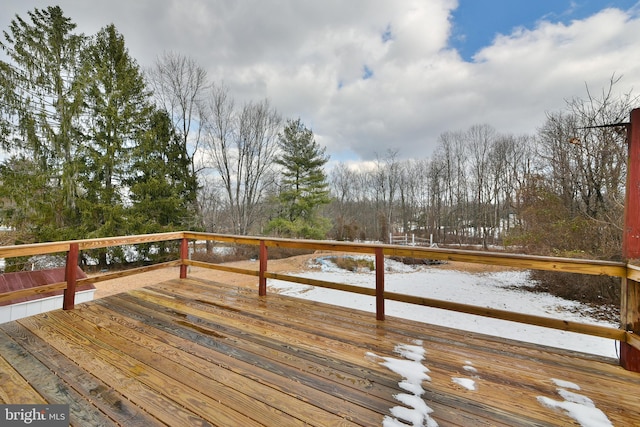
309 59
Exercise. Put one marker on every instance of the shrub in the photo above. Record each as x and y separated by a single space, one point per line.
353 264
597 291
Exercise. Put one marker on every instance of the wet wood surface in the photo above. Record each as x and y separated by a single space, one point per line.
196 352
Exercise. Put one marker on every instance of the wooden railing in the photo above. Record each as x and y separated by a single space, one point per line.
629 274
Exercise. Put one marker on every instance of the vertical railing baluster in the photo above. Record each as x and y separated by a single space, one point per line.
262 285
184 255
69 298
379 284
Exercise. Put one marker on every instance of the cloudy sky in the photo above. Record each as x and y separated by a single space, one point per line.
369 76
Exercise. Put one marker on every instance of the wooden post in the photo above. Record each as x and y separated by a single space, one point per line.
184 255
630 298
69 298
379 284
262 284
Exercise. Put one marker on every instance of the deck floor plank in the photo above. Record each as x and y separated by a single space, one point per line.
165 410
270 358
15 389
106 399
229 405
196 352
503 389
340 349
239 391
51 387
347 347
304 360
301 371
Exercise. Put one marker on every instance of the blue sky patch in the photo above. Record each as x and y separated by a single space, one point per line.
367 73
477 23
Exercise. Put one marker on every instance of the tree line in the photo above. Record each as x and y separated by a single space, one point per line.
96 146
558 192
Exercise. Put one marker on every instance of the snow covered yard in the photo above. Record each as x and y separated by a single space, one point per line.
501 290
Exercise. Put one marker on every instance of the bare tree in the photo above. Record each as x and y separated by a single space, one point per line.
601 152
211 206
241 146
415 194
452 155
179 85
480 142
554 151
510 167
585 150
386 177
343 185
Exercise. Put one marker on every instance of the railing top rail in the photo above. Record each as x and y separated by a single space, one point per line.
536 262
100 242
571 265
129 240
33 249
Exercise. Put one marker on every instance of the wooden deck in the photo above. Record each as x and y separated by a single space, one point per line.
195 352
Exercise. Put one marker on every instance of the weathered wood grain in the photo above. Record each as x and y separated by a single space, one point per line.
501 391
105 398
52 387
39 290
15 389
128 272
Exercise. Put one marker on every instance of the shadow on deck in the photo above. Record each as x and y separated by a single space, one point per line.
195 352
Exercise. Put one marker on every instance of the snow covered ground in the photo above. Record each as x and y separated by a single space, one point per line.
501 290
495 290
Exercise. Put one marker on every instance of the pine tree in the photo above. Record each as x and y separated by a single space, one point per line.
118 106
41 102
304 186
162 187
88 156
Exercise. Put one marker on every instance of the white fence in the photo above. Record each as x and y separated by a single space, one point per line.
411 240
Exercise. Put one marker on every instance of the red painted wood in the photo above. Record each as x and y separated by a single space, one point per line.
631 236
379 284
184 255
262 285
69 299
630 356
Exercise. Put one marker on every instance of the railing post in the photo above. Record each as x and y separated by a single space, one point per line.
69 298
630 301
262 285
184 255
379 284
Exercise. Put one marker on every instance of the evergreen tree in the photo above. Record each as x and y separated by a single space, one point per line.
24 193
88 156
118 106
162 186
41 109
303 187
